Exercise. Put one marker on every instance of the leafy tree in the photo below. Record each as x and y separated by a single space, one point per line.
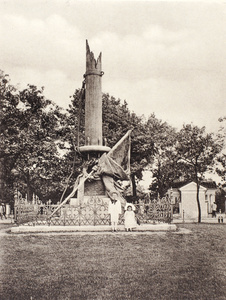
74 122
164 160
38 160
221 158
221 167
197 150
30 132
9 113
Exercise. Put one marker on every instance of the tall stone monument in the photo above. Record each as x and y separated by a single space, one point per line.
93 147
93 107
103 166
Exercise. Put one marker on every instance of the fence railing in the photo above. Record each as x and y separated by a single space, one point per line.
158 210
94 211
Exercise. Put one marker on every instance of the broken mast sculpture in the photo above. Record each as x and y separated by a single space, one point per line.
93 106
95 187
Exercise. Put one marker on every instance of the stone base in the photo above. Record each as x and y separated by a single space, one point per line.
88 229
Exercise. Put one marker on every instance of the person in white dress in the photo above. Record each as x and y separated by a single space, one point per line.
114 209
129 217
7 207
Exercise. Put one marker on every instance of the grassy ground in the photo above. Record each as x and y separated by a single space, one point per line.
115 266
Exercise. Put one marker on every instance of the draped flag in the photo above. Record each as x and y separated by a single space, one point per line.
114 165
117 162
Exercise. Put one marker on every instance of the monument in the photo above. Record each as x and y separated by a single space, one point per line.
102 166
103 170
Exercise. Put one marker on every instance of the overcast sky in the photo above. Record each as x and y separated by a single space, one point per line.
167 58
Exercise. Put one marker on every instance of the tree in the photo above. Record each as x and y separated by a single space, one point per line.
30 133
8 118
38 160
221 167
221 158
197 150
163 164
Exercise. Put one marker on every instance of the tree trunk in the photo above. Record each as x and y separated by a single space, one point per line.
2 180
197 198
134 187
198 203
29 190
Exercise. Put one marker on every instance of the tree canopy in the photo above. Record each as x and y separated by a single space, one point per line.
29 129
163 162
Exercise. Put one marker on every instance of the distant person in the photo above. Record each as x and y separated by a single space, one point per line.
130 219
214 210
7 210
1 211
4 211
114 209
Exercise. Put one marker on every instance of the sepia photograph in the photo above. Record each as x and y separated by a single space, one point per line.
112 150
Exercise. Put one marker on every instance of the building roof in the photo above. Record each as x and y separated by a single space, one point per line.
179 184
206 184
209 184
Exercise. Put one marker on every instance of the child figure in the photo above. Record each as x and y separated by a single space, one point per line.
114 209
129 216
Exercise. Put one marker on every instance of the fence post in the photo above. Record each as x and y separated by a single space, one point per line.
170 216
64 212
171 212
15 214
94 211
18 214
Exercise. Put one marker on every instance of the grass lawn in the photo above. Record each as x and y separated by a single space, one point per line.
115 266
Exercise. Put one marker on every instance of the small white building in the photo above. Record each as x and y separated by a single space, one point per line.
184 200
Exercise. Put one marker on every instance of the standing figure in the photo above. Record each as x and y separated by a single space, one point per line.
129 216
114 209
4 210
7 208
1 211
214 210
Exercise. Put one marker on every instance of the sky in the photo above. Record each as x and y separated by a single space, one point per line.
166 58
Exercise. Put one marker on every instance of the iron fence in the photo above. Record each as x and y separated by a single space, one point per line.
158 210
94 211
